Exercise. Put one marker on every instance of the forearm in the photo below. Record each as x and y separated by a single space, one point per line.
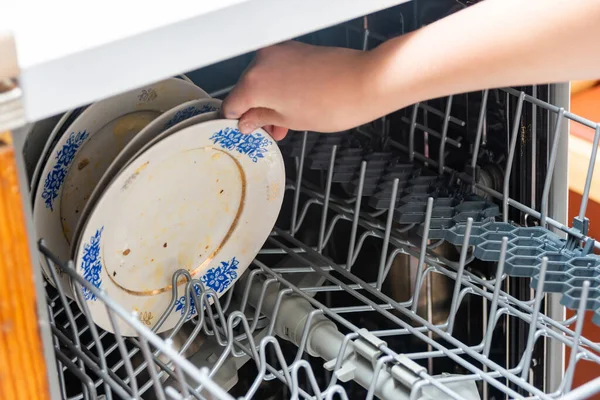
495 43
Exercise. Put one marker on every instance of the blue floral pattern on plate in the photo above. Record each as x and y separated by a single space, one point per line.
180 303
91 263
219 278
64 157
254 145
189 112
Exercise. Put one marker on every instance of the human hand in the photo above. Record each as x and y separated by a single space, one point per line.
300 87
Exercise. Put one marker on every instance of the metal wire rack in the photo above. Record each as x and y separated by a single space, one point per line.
274 303
291 292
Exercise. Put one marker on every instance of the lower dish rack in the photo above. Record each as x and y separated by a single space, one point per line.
320 314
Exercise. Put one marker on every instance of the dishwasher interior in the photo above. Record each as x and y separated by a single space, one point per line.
425 254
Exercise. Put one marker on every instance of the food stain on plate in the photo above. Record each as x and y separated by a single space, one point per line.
135 174
272 191
129 125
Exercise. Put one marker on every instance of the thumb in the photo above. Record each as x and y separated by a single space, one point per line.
257 118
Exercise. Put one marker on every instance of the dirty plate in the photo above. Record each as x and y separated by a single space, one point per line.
152 133
203 199
87 148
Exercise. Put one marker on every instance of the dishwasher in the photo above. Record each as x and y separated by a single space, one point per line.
424 255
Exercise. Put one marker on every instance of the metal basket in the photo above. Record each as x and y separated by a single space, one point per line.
278 302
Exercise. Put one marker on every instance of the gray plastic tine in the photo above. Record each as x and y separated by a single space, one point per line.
533 163
259 303
331 227
386 238
158 388
341 354
179 374
380 362
94 332
459 275
494 306
278 353
311 379
590 174
365 43
437 112
68 311
422 253
326 200
441 155
305 332
124 355
511 156
273 316
89 389
298 184
173 394
262 364
576 336
480 126
337 389
551 163
361 183
411 133
56 341
584 391
539 296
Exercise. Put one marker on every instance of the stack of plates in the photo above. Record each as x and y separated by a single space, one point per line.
140 185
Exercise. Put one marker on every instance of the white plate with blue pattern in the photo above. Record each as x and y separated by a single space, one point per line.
86 149
203 199
172 121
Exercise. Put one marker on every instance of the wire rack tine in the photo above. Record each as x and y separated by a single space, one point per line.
386 238
539 296
459 275
418 282
568 379
551 163
326 201
511 156
361 184
480 127
494 305
442 151
299 173
411 133
590 174
124 354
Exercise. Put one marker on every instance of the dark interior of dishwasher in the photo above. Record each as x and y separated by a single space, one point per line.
527 178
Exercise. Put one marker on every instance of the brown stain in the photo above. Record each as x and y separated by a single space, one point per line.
83 163
165 244
272 191
126 252
183 259
132 177
142 167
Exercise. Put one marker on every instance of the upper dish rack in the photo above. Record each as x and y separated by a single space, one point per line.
279 300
